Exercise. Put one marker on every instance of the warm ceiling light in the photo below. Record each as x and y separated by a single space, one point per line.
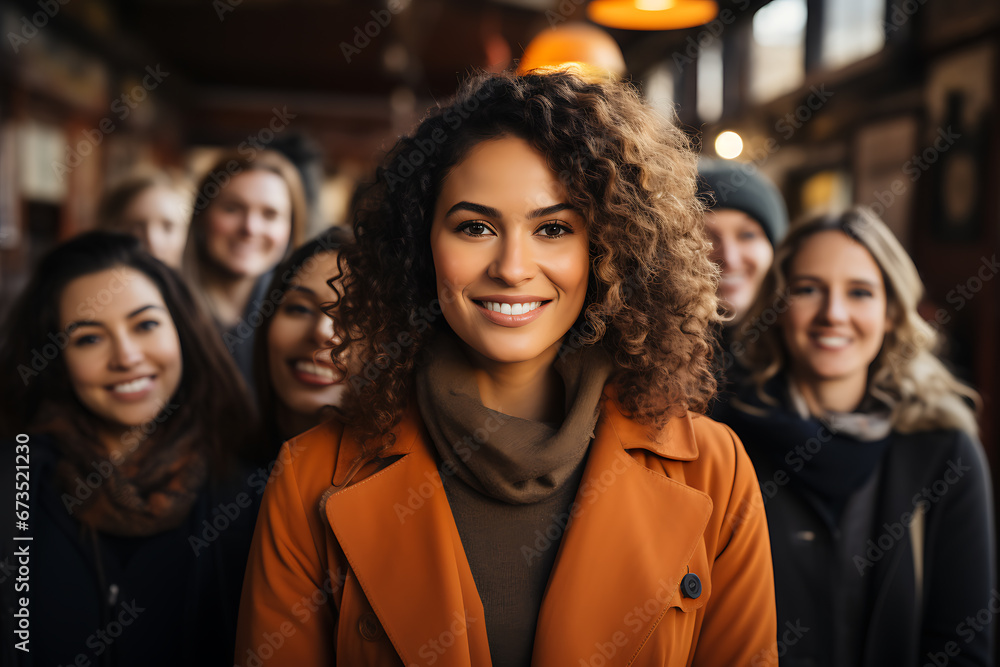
586 48
652 14
729 145
653 5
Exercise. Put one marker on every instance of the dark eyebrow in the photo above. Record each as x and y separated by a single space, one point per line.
144 308
299 288
490 212
93 323
549 210
853 281
487 211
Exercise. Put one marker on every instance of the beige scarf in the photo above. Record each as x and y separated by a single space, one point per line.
514 460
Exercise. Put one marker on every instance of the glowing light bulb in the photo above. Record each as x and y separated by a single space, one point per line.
653 5
729 145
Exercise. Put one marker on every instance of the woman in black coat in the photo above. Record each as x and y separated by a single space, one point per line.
876 488
122 412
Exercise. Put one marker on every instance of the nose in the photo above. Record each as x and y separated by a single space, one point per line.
125 352
729 254
253 223
514 263
323 332
835 307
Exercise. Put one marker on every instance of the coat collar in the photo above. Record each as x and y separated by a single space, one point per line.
630 540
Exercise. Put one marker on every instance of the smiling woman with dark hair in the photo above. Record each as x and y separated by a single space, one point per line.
526 479
129 434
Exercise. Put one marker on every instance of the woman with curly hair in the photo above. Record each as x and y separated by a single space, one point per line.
298 385
877 490
128 417
526 479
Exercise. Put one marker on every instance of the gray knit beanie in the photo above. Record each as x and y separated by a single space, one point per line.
740 186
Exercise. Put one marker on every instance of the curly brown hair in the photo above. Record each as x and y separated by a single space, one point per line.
629 171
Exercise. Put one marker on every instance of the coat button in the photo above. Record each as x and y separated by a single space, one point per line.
369 627
691 585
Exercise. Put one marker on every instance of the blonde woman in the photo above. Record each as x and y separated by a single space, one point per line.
249 214
155 208
876 488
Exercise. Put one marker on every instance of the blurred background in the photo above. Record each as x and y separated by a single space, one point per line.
890 103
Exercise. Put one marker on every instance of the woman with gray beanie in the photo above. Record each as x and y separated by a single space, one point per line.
746 220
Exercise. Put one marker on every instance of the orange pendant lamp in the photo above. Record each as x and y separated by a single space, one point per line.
652 14
579 46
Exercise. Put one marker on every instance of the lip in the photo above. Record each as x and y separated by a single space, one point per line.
815 339
511 320
510 298
312 379
134 396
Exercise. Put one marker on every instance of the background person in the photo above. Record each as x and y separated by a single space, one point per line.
511 385
746 219
155 208
878 497
133 429
249 213
298 385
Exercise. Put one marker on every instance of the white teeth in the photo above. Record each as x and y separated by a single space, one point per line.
133 386
833 341
511 309
313 369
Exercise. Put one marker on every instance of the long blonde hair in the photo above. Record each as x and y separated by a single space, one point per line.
906 375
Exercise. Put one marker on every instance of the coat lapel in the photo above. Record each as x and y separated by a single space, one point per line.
398 534
632 535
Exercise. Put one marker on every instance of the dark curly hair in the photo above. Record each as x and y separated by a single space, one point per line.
630 172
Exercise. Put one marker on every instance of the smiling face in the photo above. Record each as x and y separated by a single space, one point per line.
248 224
836 319
123 358
511 257
157 216
741 249
304 379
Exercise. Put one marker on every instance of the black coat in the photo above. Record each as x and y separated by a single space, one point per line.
911 562
165 599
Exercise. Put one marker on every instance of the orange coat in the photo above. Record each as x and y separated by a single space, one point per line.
374 573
